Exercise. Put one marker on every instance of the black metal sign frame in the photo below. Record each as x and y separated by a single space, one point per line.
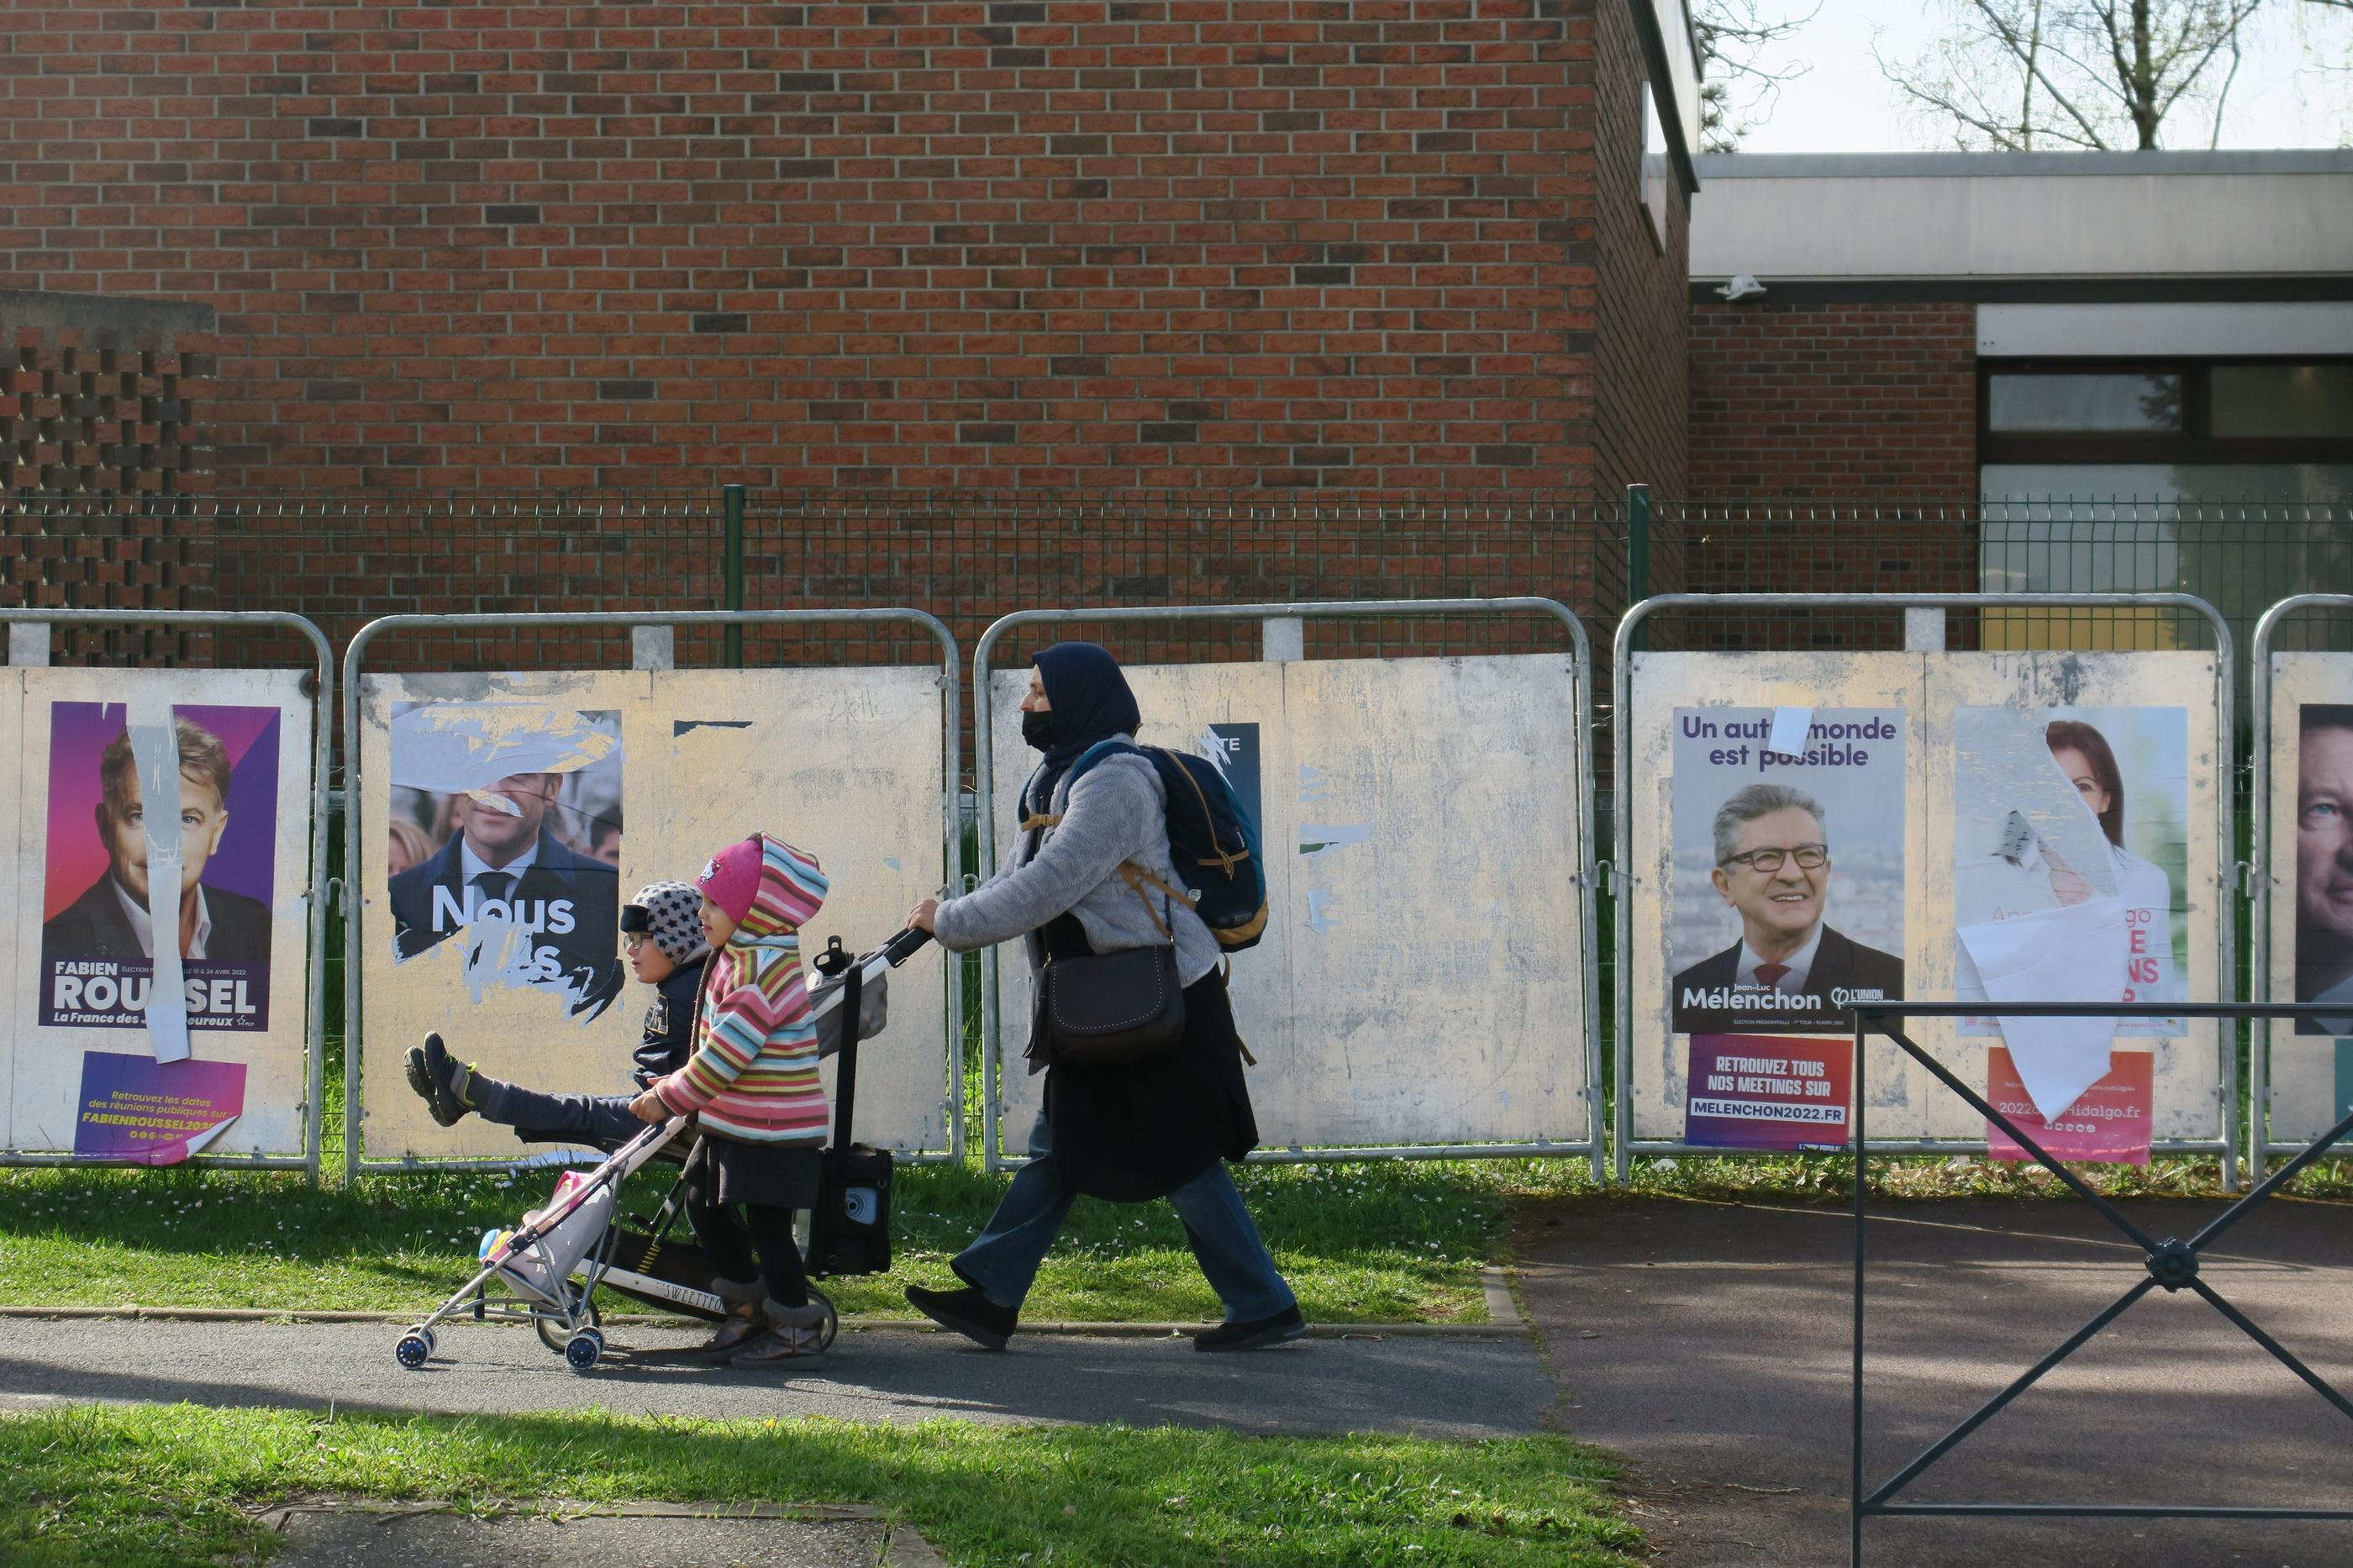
2172 1264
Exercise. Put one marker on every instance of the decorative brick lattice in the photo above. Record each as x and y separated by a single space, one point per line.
80 421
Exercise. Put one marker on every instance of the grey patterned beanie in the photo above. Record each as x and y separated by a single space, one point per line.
666 911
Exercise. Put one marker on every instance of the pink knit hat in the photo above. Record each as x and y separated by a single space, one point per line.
731 877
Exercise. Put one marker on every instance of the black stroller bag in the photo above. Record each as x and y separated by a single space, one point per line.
850 1230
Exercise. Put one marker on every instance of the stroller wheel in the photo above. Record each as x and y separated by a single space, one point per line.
432 1341
832 1319
556 1337
583 1350
414 1350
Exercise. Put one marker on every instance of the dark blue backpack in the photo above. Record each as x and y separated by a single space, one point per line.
1211 841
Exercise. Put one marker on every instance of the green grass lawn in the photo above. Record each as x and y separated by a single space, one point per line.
1361 1243
174 1486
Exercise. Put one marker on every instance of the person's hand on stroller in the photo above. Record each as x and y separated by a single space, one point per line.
648 1107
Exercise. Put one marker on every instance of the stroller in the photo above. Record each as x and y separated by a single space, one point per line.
548 1269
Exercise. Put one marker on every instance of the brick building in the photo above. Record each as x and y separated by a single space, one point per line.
1225 245
2131 371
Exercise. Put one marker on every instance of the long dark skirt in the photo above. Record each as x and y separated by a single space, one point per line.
1139 1132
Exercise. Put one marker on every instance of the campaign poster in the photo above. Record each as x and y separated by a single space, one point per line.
2324 864
1234 748
136 1108
1769 1091
101 917
2073 821
1787 839
2108 1123
505 833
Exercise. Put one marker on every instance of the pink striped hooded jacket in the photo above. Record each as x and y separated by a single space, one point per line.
753 1072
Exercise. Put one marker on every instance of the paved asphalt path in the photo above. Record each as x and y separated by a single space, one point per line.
1451 1386
1711 1345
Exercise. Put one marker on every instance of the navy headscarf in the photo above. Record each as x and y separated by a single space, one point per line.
1090 702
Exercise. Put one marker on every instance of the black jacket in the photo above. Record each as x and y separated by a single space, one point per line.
558 881
669 1024
1841 964
94 926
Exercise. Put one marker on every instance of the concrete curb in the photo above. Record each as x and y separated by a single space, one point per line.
902 1546
1505 1327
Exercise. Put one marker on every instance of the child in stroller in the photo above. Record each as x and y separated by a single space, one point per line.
666 949
548 1269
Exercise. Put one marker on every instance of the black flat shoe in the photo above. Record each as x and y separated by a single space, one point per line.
440 1074
968 1312
417 1067
1256 1334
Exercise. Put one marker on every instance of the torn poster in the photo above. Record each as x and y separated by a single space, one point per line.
2046 956
102 884
153 1113
506 828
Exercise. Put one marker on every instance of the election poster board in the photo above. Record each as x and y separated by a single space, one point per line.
1773 832
1940 827
2310 891
510 815
1421 980
161 998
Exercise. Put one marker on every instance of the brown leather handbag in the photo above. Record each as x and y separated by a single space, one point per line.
1109 1009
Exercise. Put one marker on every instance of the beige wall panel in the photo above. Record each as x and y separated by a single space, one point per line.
1421 981
44 1072
2306 1097
846 763
1905 1100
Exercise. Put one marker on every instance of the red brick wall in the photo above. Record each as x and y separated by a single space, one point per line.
1860 412
1641 386
1820 401
1195 244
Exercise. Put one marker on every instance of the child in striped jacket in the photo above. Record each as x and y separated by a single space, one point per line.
753 1085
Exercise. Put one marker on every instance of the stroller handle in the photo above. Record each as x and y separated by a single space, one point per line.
905 945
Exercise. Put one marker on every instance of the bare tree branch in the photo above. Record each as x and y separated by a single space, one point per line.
1738 87
2079 73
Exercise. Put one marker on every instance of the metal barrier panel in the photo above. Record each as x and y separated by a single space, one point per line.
218 1057
855 765
2303 812
1424 989
1920 765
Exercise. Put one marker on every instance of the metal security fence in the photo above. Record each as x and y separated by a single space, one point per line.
2239 556
974 555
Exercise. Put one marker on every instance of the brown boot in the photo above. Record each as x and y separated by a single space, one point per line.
794 1333
741 1324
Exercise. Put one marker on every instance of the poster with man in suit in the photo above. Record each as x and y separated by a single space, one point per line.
1788 900
516 810
101 916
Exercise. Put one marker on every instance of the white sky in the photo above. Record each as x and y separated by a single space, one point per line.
2285 95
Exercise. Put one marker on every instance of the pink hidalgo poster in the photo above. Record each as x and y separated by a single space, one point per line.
97 930
2107 1123
136 1108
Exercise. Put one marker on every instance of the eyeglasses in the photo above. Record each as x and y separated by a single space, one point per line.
1809 857
633 941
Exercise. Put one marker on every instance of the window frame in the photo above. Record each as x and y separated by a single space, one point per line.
2193 444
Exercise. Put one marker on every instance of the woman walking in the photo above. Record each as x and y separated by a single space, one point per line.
1083 882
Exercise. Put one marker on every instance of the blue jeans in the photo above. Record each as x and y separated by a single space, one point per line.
601 1121
1003 1259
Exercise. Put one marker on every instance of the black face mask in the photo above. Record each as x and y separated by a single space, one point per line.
1039 729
